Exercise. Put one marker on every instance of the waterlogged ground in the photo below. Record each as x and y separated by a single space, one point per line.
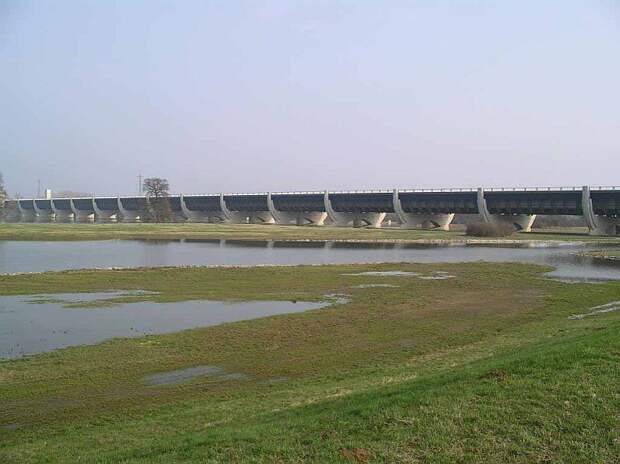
483 366
33 324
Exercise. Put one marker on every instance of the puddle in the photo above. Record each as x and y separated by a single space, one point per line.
376 285
385 274
436 275
185 375
337 298
584 280
34 324
602 309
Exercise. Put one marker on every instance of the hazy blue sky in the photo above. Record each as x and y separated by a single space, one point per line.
285 95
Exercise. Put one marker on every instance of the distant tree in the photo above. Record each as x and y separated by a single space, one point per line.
2 195
156 190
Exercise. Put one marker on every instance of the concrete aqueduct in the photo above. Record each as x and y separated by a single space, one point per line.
429 208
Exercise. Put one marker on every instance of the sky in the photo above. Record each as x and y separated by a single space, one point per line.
244 96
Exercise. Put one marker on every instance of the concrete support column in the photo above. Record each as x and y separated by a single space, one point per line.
43 215
26 215
226 213
315 218
424 221
104 215
81 216
127 215
598 225
299 218
520 222
260 217
62 215
191 215
339 219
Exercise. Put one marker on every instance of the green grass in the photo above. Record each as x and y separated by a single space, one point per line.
483 367
24 231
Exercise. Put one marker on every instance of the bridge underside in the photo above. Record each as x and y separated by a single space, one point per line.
298 209
202 208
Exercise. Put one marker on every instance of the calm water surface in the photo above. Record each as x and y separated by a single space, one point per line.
16 256
34 324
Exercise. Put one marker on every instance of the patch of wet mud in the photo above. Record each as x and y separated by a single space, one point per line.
179 376
601 309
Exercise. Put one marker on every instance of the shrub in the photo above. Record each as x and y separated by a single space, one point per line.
489 229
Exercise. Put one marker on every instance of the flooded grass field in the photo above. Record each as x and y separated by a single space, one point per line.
38 323
220 351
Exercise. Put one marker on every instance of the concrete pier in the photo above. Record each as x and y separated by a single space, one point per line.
106 209
341 215
83 210
506 215
423 220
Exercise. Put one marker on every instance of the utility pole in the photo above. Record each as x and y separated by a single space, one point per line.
139 184
38 188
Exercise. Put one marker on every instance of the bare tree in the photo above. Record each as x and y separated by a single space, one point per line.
156 190
2 195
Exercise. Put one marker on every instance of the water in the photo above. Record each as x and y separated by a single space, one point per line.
36 256
175 377
34 324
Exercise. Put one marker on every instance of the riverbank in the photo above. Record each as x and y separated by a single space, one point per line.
604 255
478 366
177 231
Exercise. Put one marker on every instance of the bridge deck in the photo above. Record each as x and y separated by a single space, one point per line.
299 203
439 202
249 202
542 202
378 202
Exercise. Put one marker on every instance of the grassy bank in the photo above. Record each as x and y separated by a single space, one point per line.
483 366
262 232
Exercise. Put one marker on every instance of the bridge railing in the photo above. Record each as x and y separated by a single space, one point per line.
532 189
439 190
385 191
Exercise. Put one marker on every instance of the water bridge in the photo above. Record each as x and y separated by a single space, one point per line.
415 208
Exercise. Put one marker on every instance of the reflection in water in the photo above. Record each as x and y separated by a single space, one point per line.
39 256
33 324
